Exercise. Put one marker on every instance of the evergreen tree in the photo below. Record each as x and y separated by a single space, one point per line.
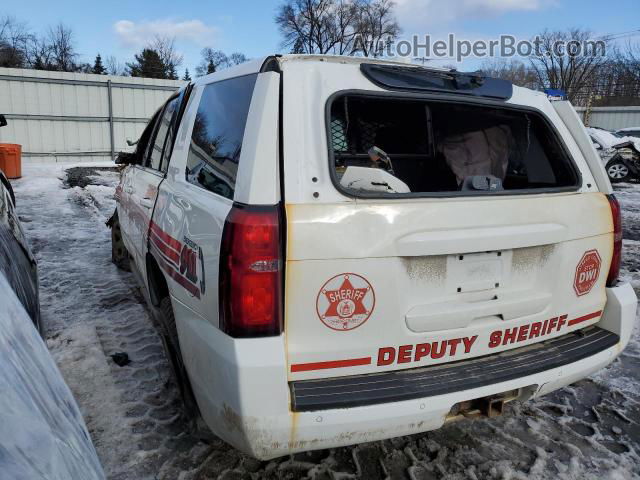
98 68
211 67
147 64
186 77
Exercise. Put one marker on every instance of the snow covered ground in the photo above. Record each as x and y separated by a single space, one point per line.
590 430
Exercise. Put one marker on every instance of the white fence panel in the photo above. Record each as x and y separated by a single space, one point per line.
59 116
612 118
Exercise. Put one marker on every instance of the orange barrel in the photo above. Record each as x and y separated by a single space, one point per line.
11 159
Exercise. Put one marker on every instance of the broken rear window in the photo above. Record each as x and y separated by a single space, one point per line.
399 146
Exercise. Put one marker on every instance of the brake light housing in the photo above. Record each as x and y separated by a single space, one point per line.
251 271
616 259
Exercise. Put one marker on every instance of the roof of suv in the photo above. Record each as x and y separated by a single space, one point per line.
255 65
520 95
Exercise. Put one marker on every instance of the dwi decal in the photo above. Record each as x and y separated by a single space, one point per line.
587 272
345 301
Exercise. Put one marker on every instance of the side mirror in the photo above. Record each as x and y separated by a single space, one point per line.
3 121
7 185
126 158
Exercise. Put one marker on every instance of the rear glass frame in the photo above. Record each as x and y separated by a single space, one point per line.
446 99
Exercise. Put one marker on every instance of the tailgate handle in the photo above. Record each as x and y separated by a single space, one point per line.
456 314
480 239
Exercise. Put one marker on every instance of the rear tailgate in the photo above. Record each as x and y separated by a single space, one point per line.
380 285
377 283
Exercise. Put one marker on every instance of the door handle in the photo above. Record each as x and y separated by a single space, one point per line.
146 202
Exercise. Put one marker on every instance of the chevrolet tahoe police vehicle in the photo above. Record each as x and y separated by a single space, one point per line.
341 250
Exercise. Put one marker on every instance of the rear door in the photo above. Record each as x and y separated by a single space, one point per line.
440 268
127 211
146 178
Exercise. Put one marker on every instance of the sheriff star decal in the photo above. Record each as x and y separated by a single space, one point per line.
345 302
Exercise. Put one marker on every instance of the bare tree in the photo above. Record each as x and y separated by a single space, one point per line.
61 44
343 27
617 82
559 68
214 60
375 26
14 38
170 58
39 55
315 26
515 71
236 58
113 66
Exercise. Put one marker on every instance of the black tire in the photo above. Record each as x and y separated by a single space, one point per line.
119 253
169 335
617 171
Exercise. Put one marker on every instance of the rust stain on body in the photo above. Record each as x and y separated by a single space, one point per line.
231 419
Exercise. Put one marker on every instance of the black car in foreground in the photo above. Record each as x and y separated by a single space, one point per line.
17 263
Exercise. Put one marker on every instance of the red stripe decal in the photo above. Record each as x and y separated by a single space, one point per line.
190 287
352 362
584 318
164 254
169 252
165 237
164 245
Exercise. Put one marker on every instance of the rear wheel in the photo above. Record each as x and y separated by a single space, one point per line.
119 253
618 171
169 335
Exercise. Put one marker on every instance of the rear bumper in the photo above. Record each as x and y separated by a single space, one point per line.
448 378
257 417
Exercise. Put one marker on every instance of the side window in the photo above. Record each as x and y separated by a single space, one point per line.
145 137
173 128
217 135
154 154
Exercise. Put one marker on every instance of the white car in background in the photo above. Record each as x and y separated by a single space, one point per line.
372 249
606 141
620 154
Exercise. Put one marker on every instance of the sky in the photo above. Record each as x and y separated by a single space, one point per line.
121 28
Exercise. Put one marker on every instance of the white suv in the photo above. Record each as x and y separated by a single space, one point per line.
342 250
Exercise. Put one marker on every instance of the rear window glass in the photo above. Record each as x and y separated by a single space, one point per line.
218 131
393 146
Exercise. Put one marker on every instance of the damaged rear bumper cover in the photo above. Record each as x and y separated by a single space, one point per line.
269 426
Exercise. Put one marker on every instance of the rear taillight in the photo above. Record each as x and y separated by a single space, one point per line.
251 264
616 259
